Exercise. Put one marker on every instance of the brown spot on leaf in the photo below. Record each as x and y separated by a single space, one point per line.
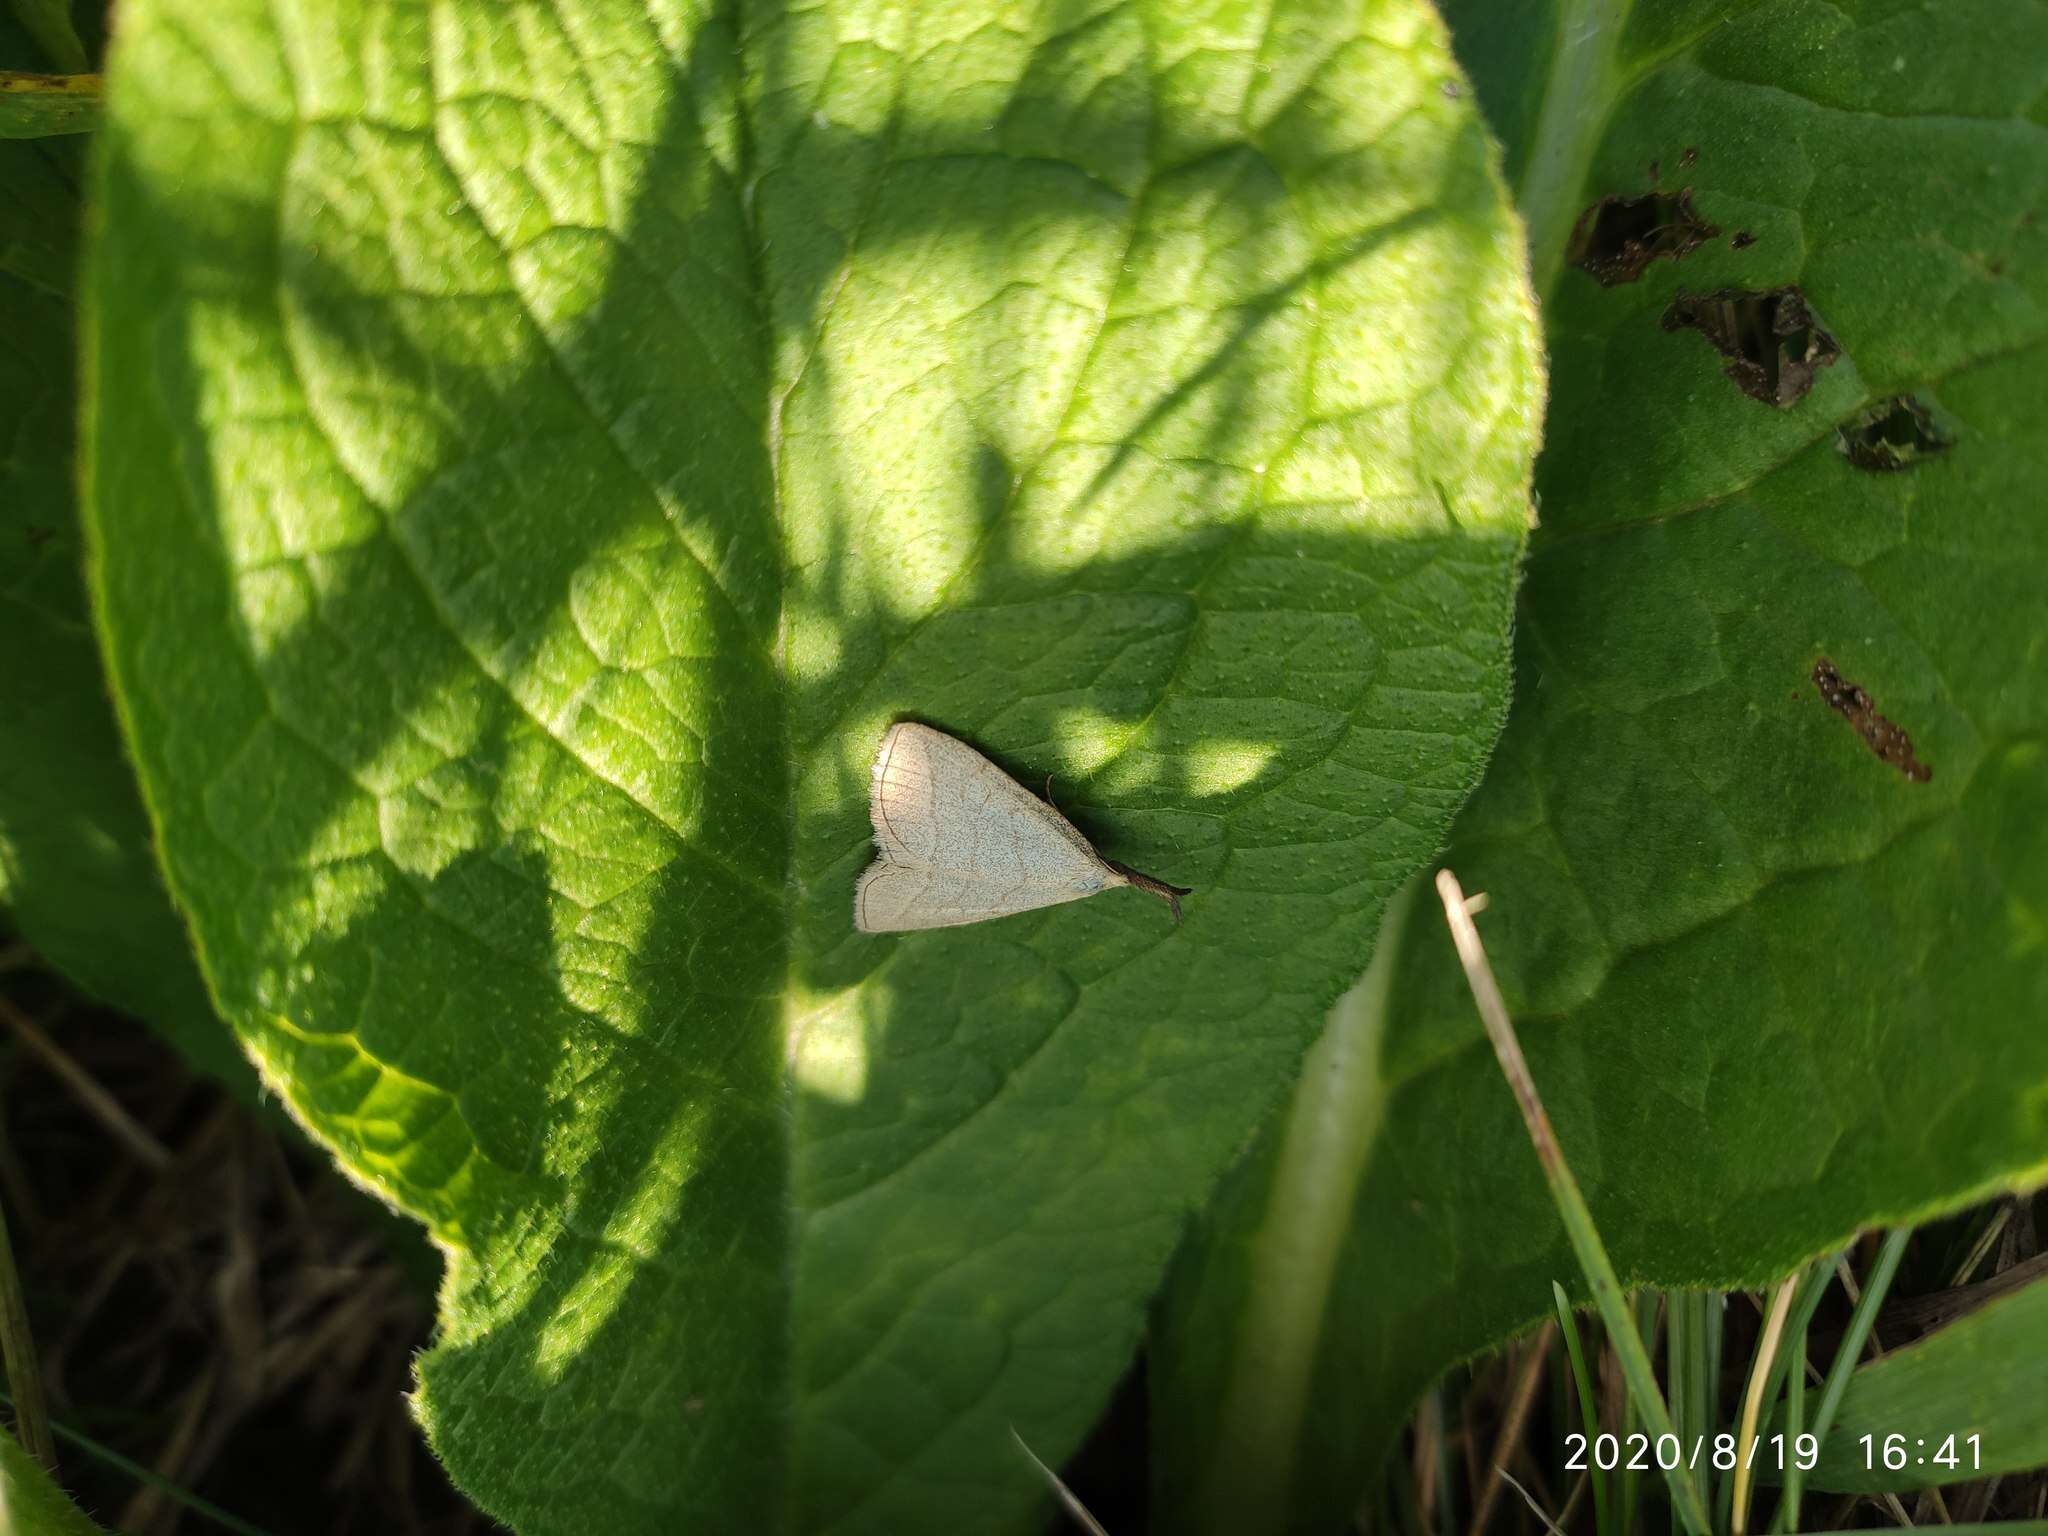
1771 341
38 537
1741 240
1890 743
1656 172
1689 159
1891 435
1619 236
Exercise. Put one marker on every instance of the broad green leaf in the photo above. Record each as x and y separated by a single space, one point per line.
536 453
74 844
1772 988
31 1503
1983 1376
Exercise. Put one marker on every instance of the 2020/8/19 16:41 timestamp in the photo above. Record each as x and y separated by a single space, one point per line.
1959 1453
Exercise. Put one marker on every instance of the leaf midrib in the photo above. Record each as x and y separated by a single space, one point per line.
1568 133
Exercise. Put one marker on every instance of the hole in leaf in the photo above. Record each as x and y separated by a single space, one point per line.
1889 742
1771 341
1891 435
1619 236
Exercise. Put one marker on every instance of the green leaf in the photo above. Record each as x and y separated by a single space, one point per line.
47 106
31 1503
1772 987
1984 1375
533 459
74 843
49 23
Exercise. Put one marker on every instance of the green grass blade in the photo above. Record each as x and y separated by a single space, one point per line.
1795 1423
1713 1311
1589 1415
1965 1401
1571 1204
1631 1482
18 1355
1860 1324
1812 1287
1762 1375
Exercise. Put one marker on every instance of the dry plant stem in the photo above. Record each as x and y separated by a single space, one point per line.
1524 1457
1530 1500
1993 1230
18 1351
16 1190
174 1461
1527 1380
1846 1273
1462 1443
1564 1191
1429 1434
1072 1505
1978 1500
1573 1500
1926 1313
1753 1400
119 1123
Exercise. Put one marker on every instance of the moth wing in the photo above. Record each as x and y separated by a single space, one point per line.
901 898
937 803
961 841
907 792
889 898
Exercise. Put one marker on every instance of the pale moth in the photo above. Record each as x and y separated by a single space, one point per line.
960 841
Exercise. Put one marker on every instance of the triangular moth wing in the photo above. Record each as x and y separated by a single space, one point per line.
961 841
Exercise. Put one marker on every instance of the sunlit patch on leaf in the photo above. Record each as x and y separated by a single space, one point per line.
560 463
